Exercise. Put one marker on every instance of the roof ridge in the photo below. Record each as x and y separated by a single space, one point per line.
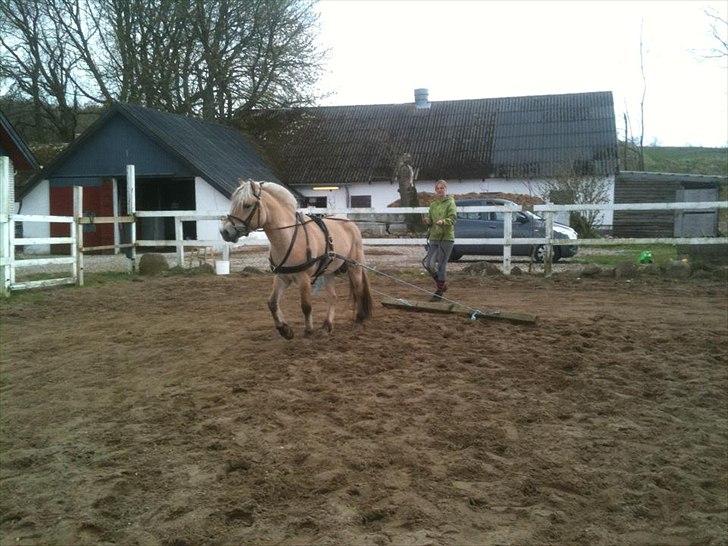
129 105
437 101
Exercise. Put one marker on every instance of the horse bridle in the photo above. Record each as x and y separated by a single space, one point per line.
244 229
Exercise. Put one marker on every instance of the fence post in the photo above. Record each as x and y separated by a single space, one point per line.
507 236
115 212
549 254
179 242
77 230
131 211
5 247
11 247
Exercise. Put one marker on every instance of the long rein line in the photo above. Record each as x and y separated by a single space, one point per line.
474 312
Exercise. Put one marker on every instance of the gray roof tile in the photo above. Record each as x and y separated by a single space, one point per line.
512 136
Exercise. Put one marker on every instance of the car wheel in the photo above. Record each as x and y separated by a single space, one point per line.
540 252
455 256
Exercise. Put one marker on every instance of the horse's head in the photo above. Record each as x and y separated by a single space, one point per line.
247 212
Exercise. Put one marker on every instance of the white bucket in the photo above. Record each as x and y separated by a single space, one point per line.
222 267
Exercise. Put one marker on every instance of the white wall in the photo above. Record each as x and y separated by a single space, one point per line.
384 193
37 201
208 199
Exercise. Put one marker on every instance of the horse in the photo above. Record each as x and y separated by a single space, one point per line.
325 246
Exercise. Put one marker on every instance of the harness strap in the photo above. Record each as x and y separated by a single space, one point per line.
323 261
327 256
308 247
311 219
285 269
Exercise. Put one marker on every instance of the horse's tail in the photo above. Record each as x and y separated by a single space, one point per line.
360 292
366 305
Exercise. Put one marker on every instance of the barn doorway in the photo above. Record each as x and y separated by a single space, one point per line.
163 194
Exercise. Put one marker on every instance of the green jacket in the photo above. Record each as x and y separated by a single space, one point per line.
443 209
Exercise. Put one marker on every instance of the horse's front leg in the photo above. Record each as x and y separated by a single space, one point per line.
279 286
305 287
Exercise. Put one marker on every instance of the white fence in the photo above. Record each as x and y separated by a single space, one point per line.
76 222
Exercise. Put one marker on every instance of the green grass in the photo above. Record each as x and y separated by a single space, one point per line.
687 160
611 255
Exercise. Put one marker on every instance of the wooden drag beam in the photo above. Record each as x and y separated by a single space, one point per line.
445 307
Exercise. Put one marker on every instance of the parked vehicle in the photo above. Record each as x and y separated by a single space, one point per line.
489 225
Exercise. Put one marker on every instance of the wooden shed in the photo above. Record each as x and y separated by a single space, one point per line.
647 187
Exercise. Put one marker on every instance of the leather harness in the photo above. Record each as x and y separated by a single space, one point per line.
323 261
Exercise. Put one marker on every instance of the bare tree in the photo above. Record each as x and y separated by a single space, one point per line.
642 101
626 140
215 58
719 31
35 56
404 176
570 186
632 156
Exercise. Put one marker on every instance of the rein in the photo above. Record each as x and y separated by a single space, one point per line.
311 219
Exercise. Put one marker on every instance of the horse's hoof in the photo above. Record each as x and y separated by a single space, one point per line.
327 326
286 331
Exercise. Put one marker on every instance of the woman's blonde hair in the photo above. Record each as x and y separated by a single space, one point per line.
441 182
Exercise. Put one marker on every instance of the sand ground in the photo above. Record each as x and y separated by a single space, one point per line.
169 411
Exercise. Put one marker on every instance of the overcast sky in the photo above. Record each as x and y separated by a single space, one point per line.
381 50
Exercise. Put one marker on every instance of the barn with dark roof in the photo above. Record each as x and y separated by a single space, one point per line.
181 163
482 145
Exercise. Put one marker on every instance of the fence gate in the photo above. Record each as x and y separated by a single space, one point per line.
8 241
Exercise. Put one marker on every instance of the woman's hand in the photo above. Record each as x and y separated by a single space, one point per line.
440 222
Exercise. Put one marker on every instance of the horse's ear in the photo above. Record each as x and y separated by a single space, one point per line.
255 186
240 182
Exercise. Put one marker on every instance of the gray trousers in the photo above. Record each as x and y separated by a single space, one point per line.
438 253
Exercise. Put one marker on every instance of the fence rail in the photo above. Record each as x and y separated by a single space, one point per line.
8 242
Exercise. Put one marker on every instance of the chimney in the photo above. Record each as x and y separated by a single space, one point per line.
421 99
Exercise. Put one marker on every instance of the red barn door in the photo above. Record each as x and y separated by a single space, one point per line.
97 201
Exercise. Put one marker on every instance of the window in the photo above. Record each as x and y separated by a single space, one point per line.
360 201
318 202
472 215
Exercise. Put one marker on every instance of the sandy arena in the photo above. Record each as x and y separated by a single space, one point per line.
168 411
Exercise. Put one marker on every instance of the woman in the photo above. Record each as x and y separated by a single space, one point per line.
441 219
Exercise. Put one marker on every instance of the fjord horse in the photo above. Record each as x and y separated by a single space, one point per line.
302 249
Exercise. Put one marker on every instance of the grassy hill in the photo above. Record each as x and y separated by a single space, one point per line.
668 159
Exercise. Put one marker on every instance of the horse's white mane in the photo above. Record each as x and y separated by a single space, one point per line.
245 191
